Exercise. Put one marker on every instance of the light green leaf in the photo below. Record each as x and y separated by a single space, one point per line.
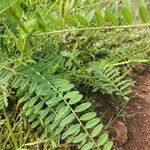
44 113
96 130
29 111
69 139
67 120
99 18
108 145
71 130
88 116
127 14
61 113
103 139
54 125
32 101
16 82
35 124
82 107
38 107
71 94
59 130
57 23
4 4
31 118
24 84
92 123
87 146
79 138
66 87
49 119
75 99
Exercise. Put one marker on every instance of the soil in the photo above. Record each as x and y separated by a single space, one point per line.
138 126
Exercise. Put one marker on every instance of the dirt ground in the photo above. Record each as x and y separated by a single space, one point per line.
138 126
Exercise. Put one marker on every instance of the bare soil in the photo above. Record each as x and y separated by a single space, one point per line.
138 126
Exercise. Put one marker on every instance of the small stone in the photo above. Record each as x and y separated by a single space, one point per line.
139 69
120 131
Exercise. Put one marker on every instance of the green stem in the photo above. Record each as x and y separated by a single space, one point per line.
8 126
132 61
91 28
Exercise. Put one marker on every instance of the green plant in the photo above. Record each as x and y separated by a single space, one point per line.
46 44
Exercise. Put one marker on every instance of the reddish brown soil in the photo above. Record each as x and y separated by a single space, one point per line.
138 126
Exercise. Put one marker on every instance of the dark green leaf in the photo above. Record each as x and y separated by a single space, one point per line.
82 20
99 18
111 17
127 14
144 15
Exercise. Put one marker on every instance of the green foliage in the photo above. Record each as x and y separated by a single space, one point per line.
111 80
45 45
52 107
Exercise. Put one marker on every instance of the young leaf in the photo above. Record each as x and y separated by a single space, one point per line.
127 14
111 17
99 18
82 107
88 116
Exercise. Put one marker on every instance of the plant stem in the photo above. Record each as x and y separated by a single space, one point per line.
8 126
132 61
91 28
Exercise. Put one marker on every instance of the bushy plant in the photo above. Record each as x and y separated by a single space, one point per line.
48 46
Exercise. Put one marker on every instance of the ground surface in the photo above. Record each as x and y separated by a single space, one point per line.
138 126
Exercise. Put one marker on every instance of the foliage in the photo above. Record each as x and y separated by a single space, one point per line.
45 45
